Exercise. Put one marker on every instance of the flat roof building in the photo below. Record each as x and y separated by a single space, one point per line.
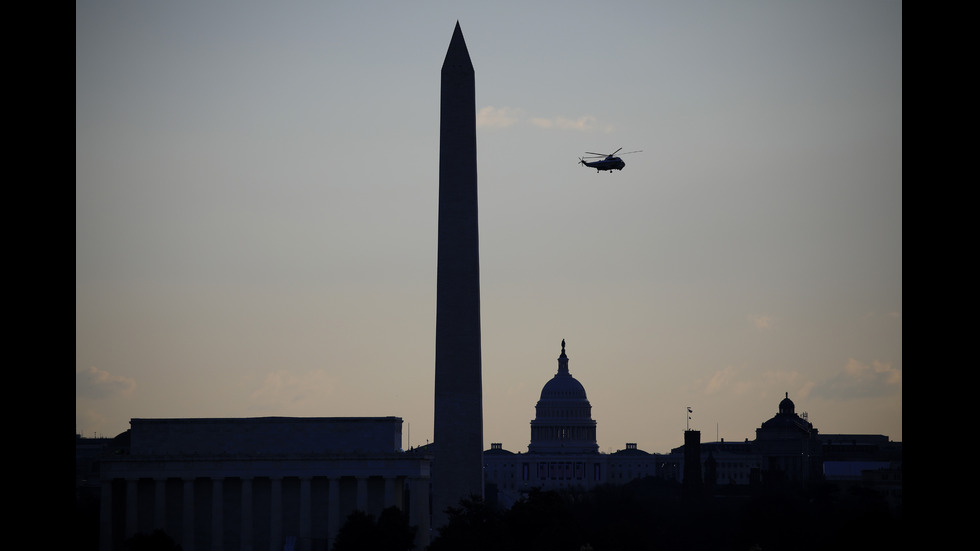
259 483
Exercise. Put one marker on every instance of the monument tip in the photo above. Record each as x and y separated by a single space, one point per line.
458 55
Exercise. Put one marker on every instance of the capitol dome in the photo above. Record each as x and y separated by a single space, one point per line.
563 387
563 415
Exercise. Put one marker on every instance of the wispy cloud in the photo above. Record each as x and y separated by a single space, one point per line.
504 117
877 371
284 390
761 321
497 117
858 379
92 382
854 380
583 123
738 381
892 315
721 380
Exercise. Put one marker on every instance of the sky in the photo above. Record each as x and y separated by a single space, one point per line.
256 194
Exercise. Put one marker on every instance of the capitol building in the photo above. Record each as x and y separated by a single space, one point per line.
563 452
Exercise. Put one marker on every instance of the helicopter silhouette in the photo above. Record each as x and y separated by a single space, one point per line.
608 161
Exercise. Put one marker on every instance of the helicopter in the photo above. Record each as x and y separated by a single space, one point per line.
607 161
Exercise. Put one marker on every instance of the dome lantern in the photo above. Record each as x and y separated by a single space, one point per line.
786 406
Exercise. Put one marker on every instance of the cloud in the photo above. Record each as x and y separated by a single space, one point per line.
728 380
876 372
92 382
493 117
854 380
720 380
761 321
283 390
504 117
859 380
89 418
583 123
737 381
891 315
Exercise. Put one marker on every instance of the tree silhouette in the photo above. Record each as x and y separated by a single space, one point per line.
473 525
391 532
653 513
157 541
394 532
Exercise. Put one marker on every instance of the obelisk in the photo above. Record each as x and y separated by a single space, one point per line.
457 470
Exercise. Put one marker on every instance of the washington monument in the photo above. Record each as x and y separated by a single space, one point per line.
457 470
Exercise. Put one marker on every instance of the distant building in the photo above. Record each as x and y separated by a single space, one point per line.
864 460
563 453
89 453
789 445
258 483
735 463
788 449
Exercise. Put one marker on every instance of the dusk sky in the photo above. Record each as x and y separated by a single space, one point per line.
256 193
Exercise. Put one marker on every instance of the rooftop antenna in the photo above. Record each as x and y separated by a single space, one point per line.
689 412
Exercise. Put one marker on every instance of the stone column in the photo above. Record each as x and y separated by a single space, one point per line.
160 504
187 542
362 497
275 511
305 502
217 515
246 514
390 492
132 492
105 516
419 510
333 509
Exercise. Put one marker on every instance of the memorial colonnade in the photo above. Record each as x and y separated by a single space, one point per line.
255 505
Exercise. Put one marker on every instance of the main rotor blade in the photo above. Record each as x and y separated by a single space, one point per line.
637 151
615 152
598 154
